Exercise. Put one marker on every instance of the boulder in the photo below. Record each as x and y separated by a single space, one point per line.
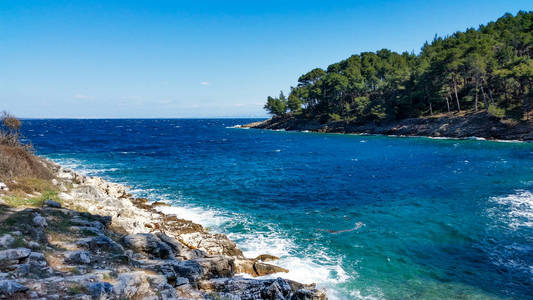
131 284
309 294
6 240
213 244
246 288
34 245
217 266
262 269
52 203
147 243
10 287
37 259
278 290
80 257
266 257
39 220
178 248
256 268
99 290
14 254
100 242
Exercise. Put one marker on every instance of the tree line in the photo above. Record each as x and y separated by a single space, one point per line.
489 68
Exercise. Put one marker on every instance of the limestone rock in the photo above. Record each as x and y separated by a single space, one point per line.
100 242
178 248
266 257
99 290
39 220
147 243
14 254
6 240
309 294
256 268
131 284
34 245
78 257
52 203
262 269
37 259
214 244
10 287
64 196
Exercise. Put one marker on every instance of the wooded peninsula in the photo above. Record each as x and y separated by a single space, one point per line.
486 70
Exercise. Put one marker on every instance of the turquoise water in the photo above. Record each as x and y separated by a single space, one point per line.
367 217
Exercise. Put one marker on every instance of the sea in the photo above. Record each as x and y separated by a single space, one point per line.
362 216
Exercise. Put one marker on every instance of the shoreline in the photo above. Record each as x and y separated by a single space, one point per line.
471 138
277 245
187 259
477 126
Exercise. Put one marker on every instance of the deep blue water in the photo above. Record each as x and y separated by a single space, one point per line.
419 218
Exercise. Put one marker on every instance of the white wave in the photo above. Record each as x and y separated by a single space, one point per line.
73 164
357 295
317 268
204 217
518 208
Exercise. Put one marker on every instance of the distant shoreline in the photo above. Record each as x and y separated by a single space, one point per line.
472 126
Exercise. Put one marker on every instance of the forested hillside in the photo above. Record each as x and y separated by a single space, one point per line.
489 68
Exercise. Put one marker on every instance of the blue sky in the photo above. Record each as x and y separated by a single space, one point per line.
119 59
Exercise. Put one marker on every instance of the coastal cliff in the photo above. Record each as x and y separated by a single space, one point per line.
94 240
480 125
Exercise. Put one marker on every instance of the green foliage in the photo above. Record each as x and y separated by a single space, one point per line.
276 106
496 111
335 117
489 66
294 103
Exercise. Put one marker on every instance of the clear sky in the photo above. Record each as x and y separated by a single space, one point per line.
104 59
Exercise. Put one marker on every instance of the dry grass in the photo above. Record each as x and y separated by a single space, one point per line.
17 159
18 162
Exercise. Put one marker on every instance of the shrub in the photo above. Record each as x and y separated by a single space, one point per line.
9 130
335 117
17 159
496 111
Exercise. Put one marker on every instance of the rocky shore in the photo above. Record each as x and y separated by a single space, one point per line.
99 242
479 125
